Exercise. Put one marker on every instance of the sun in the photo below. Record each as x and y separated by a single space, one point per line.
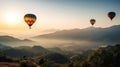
11 18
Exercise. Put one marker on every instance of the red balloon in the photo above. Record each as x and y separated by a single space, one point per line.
30 19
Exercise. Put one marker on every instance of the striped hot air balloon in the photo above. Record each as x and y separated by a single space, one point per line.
111 15
30 19
92 21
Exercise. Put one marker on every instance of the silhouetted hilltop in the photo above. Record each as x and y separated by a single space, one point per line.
8 38
53 58
57 58
20 52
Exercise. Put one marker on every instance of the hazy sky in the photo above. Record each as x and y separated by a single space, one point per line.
55 14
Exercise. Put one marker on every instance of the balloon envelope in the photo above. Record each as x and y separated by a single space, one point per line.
111 15
92 21
30 19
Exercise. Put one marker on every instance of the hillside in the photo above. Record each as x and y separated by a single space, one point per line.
102 57
20 52
105 57
3 47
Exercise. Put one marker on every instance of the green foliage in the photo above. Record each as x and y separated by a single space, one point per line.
102 57
105 57
4 58
27 63
57 58
23 64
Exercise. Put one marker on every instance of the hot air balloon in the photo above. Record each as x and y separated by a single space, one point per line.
111 15
92 21
30 19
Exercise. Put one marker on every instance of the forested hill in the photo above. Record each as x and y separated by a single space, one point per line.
103 57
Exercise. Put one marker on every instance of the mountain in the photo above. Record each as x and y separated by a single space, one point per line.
17 53
90 33
57 58
38 50
11 41
24 51
3 47
4 58
53 57
86 53
57 50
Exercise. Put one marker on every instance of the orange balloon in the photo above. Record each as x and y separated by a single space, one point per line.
30 19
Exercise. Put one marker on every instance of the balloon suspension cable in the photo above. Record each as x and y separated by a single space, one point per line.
92 25
29 27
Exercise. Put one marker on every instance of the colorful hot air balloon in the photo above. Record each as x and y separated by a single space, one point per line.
111 15
92 21
30 19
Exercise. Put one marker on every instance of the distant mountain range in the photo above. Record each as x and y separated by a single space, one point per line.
93 37
11 41
110 34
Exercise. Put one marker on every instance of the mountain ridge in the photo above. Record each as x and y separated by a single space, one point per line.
12 41
89 34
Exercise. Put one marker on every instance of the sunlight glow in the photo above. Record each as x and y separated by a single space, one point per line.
11 18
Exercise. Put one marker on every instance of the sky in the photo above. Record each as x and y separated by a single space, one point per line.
53 15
